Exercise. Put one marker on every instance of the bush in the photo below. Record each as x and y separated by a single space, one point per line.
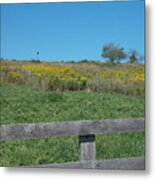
15 77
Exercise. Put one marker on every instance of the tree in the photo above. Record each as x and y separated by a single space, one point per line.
133 56
113 53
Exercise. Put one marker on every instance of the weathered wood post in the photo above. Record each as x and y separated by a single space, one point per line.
97 82
87 148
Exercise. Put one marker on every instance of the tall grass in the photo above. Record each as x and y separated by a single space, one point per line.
126 79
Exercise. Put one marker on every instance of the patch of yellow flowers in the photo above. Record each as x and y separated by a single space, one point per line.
133 75
44 71
57 75
65 78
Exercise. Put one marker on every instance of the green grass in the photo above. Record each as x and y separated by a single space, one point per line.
21 104
38 151
65 149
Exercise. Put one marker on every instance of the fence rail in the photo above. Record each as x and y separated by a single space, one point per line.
86 130
114 164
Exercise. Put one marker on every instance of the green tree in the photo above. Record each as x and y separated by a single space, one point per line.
133 56
113 53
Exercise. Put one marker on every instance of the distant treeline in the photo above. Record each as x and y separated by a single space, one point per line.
110 53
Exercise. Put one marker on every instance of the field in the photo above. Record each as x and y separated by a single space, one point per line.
27 96
126 78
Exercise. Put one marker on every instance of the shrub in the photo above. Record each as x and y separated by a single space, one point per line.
15 77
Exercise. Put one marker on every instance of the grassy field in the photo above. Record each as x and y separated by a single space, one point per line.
20 104
65 149
23 104
67 91
125 79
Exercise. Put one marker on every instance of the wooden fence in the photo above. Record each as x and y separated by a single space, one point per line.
86 130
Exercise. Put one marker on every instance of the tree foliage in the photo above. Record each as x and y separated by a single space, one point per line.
113 53
133 56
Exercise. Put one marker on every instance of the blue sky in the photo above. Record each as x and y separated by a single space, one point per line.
70 31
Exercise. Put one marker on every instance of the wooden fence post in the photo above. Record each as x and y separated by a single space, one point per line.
97 82
87 148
